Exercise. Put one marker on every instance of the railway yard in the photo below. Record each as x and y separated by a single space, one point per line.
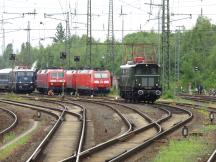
41 128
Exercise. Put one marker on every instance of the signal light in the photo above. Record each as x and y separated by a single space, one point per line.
63 55
12 57
196 68
76 58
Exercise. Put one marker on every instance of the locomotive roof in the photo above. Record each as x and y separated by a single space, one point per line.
85 71
8 70
44 71
5 71
127 66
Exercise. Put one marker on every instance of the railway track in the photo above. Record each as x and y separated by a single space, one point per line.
60 115
13 124
137 136
204 99
134 140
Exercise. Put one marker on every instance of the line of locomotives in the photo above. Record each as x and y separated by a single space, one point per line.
55 79
139 81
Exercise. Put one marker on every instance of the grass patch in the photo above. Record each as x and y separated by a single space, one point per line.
9 150
186 150
203 111
8 137
208 128
114 92
13 96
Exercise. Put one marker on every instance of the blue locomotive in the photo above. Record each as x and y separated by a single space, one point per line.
17 80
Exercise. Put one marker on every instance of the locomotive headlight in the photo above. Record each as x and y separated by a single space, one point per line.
20 82
158 93
140 92
51 83
156 84
139 84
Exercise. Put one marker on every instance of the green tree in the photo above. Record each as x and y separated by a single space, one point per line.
60 34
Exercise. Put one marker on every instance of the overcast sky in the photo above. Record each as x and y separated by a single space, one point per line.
136 17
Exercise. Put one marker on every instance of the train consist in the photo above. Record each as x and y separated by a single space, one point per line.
80 81
140 81
19 79
56 79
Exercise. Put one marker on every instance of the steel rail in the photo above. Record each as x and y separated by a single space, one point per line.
130 152
83 128
13 124
124 136
101 145
42 145
212 158
34 106
60 119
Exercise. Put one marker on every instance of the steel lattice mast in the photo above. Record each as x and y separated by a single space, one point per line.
89 34
110 36
67 37
165 44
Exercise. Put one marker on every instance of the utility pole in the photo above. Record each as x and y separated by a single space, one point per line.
110 36
3 36
122 15
67 37
165 45
89 34
28 42
178 52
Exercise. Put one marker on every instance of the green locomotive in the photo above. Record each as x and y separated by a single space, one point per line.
140 81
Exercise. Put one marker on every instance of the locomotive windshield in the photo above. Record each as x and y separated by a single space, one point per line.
55 75
146 70
101 75
25 76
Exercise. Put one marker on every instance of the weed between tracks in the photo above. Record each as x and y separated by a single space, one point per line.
9 137
13 96
11 148
186 150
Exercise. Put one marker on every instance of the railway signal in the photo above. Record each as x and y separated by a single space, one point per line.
63 55
12 57
196 68
76 58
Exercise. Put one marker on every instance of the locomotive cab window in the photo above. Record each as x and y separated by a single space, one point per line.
149 69
100 75
54 75
60 75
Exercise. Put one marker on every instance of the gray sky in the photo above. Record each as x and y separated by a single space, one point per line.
136 18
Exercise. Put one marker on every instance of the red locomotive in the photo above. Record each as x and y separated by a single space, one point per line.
51 79
88 81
